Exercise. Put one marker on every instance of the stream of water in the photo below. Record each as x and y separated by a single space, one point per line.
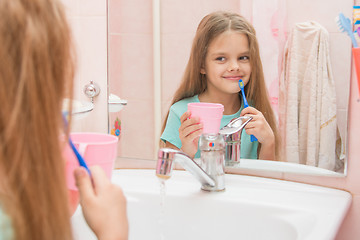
162 207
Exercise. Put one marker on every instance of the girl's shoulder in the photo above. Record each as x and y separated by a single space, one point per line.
182 104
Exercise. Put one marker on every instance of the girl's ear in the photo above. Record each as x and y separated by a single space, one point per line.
202 71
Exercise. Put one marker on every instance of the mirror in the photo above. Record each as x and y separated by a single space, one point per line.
146 72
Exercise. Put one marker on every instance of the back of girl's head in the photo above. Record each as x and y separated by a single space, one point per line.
36 69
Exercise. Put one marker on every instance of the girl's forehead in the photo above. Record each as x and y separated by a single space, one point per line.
230 41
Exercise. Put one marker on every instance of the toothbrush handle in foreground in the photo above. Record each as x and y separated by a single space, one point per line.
79 157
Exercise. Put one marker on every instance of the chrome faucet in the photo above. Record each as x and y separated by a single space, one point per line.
217 150
210 174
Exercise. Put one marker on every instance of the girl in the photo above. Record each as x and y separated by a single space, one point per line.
36 72
224 50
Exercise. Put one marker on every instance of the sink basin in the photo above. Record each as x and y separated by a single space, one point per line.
288 167
250 208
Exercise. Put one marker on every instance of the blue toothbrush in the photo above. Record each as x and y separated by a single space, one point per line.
241 85
80 159
345 25
78 156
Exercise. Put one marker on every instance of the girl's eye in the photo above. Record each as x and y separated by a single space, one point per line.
244 58
221 59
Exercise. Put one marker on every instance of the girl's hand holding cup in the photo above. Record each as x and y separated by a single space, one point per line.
189 133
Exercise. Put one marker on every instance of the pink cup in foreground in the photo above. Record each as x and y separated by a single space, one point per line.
210 115
96 148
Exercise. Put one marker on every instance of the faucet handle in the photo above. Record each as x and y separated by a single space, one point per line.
235 125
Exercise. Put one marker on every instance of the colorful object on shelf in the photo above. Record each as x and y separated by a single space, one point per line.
211 144
356 56
116 130
356 14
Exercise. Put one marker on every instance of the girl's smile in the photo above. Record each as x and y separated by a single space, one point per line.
233 78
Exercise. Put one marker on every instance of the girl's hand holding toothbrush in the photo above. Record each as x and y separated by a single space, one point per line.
189 133
260 128
103 204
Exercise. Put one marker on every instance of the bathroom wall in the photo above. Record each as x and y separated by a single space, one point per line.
88 19
131 74
89 23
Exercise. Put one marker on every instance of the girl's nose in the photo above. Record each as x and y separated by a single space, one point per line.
233 66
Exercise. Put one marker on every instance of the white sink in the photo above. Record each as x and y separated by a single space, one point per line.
286 167
250 208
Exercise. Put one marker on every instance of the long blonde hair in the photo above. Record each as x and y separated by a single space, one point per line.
193 82
36 72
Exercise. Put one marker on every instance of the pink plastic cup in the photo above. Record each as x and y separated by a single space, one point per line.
210 115
96 148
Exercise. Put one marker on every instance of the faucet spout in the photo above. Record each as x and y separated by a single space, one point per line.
166 158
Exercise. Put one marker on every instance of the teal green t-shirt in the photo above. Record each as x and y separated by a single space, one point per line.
171 131
6 231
